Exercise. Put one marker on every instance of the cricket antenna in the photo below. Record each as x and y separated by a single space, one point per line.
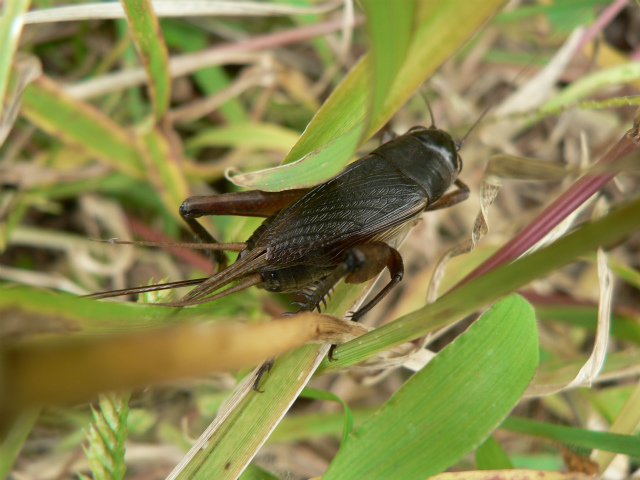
426 100
492 104
475 124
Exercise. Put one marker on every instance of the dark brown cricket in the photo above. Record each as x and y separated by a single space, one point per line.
341 229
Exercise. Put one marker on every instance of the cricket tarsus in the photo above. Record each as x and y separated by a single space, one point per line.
264 369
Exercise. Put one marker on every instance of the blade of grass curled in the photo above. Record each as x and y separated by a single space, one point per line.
388 52
81 125
564 205
11 24
440 28
468 297
153 52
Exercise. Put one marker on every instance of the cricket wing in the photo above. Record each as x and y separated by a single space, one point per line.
368 199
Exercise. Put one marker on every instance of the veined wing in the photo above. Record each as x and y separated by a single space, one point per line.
368 198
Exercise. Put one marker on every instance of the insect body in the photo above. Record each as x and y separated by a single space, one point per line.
341 229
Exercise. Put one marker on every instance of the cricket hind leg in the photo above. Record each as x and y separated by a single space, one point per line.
359 264
252 203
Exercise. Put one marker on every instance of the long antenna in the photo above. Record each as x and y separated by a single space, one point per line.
493 104
475 124
426 100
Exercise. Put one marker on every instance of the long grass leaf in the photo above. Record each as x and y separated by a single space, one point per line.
11 24
153 51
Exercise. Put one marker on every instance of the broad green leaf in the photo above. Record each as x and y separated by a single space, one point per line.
450 406
153 51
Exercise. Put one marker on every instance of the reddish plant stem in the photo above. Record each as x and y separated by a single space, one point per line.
188 256
564 205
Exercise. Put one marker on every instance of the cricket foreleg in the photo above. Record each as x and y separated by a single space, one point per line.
452 198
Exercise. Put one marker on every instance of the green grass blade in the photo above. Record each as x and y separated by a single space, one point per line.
482 290
11 24
317 394
164 164
390 28
317 165
627 421
209 80
624 327
307 426
576 437
62 311
14 439
153 51
581 88
81 125
470 387
267 136
253 472
440 28
491 456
